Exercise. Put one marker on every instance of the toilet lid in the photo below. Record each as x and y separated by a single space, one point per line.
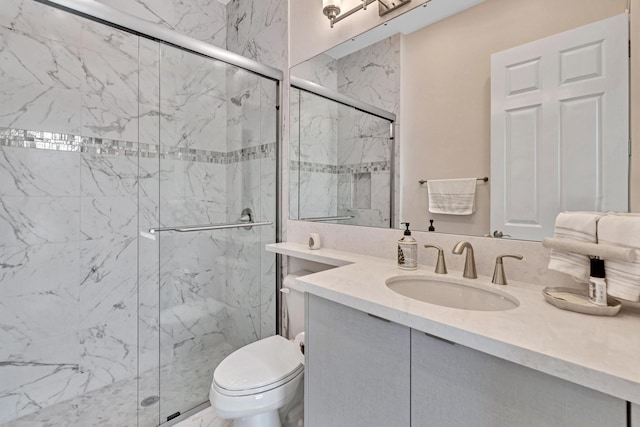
258 364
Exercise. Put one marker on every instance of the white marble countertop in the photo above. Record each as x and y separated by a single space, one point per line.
602 353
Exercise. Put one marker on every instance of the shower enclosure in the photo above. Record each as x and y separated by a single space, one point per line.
341 158
137 192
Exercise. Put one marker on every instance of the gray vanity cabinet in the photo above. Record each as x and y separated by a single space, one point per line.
635 415
454 386
357 369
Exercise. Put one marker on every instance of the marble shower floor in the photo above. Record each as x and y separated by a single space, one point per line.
184 385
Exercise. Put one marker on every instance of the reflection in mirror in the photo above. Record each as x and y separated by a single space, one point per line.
341 162
437 80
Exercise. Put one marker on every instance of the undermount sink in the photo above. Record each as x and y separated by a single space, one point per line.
451 294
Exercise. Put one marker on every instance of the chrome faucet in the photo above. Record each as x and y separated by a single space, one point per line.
499 278
441 266
470 261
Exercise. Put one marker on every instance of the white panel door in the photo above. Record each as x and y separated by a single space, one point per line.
560 128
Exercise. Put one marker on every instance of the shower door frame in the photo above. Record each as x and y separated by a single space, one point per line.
331 95
107 15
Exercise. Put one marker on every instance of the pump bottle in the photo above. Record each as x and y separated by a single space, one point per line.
407 251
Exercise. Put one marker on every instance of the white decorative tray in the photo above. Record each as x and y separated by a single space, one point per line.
578 300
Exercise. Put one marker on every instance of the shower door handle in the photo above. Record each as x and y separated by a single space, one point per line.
190 228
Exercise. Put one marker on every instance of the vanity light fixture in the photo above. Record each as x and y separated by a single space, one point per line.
331 8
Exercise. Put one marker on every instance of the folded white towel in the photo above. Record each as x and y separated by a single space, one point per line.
578 227
623 278
452 196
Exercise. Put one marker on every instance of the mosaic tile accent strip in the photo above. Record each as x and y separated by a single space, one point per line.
42 140
263 151
313 167
342 169
365 167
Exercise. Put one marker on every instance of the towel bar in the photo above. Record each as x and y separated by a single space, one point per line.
485 179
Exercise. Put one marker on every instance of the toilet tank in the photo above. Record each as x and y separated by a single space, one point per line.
293 304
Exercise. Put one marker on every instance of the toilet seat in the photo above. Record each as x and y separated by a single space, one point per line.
258 367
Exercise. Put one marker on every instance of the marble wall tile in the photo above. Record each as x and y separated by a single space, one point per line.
43 385
113 74
39 297
192 329
318 194
104 175
148 306
110 41
38 220
268 111
110 85
318 129
245 110
258 30
201 19
291 169
104 217
193 104
372 75
363 140
321 69
40 60
26 172
39 107
243 188
108 309
149 124
149 193
149 92
34 18
110 116
192 267
149 61
192 125
268 289
38 324
243 286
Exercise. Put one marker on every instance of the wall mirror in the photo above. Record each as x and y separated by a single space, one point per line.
445 72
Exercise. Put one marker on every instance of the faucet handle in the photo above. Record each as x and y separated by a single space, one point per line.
499 276
441 266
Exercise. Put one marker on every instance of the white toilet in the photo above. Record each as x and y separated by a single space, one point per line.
253 382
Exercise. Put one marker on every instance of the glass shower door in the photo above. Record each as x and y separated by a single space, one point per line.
215 288
341 167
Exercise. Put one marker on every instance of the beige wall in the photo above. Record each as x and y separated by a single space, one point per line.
446 94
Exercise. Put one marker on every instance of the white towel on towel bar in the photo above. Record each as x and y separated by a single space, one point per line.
623 278
452 196
579 227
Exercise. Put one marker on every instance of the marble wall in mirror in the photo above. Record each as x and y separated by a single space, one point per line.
437 80
343 165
